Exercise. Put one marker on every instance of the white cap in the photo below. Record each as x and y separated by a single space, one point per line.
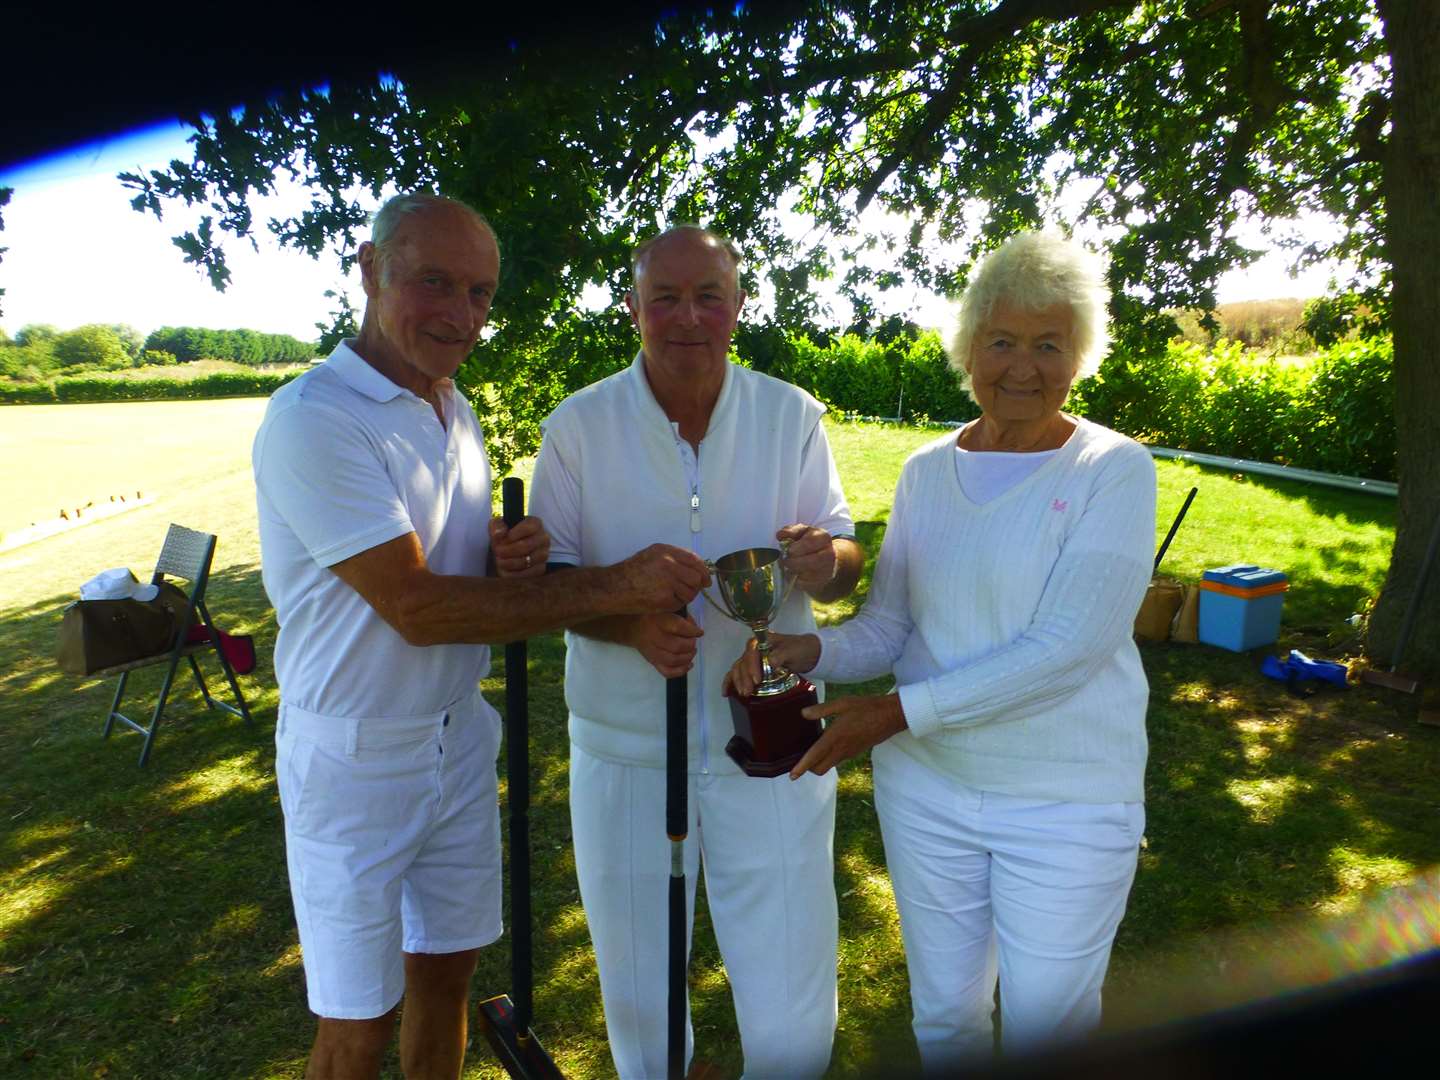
117 584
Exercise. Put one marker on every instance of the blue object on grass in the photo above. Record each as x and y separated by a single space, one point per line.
1298 668
1240 606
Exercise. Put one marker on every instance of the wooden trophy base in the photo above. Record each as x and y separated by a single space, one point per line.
770 734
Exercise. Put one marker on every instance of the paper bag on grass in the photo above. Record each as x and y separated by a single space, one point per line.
1157 610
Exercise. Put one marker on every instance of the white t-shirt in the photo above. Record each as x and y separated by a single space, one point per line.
988 474
346 460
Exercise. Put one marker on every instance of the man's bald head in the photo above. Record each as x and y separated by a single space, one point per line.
685 232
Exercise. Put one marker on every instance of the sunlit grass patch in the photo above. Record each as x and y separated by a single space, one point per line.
286 963
216 781
1358 871
1264 799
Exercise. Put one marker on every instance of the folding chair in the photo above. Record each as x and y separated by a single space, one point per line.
186 555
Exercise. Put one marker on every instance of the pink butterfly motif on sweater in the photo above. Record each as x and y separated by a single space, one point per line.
1059 505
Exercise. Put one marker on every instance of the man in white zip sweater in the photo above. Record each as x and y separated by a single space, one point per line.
686 448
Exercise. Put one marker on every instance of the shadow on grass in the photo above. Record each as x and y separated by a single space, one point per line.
146 928
1261 806
145 924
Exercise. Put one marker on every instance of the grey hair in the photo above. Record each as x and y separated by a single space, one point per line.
392 215
1034 270
723 242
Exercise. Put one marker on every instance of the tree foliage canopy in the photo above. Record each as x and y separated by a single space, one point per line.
91 344
1165 122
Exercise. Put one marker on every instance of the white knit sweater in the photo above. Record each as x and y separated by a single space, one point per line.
1008 624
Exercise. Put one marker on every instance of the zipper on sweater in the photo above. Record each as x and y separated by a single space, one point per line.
699 658
697 673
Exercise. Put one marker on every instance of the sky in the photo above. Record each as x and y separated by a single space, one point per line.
78 253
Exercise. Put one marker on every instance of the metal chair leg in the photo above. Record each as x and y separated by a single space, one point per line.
159 711
244 710
199 678
234 688
115 705
214 702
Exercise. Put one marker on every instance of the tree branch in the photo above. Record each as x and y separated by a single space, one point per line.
983 31
802 78
973 36
1261 87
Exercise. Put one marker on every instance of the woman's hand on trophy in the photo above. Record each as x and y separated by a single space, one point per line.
855 725
667 641
793 652
520 550
809 556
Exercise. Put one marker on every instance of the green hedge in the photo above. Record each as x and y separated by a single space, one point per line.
1335 413
89 389
188 343
908 378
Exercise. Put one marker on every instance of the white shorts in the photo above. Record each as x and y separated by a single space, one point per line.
392 837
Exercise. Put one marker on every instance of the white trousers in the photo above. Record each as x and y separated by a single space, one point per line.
767 851
991 884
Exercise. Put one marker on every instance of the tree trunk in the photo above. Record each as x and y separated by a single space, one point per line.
1412 215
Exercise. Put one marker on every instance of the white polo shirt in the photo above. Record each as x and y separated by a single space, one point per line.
346 460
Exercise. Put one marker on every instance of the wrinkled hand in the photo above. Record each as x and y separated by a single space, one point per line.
659 578
667 641
520 551
793 652
810 557
856 724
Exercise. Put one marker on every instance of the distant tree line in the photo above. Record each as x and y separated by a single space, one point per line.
187 343
40 351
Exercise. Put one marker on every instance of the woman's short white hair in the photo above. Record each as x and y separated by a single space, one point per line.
1035 270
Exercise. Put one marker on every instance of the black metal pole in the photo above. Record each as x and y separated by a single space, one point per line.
1174 527
505 1020
517 770
677 814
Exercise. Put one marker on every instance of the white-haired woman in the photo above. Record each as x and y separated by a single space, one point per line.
1009 763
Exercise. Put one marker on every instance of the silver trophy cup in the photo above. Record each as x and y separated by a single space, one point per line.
753 588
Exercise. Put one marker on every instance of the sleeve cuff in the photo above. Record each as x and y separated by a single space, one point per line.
382 533
829 650
921 715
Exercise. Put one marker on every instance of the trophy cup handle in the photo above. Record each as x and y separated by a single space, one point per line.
714 574
789 578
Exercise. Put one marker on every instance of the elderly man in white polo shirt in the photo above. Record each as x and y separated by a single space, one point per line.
688 448
374 498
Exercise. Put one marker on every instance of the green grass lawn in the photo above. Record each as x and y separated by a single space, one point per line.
58 457
145 923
